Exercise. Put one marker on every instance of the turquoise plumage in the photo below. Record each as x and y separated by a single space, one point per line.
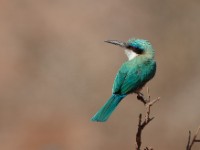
104 113
132 75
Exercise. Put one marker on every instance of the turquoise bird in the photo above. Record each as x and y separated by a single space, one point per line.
132 75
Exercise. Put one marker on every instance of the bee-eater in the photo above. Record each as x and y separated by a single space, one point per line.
132 75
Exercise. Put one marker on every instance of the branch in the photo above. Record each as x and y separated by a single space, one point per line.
141 124
194 140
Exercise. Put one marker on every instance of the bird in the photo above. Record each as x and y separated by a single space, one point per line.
132 75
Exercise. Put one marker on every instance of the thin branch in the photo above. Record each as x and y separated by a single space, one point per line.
188 144
194 140
141 124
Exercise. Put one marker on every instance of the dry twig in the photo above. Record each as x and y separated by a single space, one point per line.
141 124
194 140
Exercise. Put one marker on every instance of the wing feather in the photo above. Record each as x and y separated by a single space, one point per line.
132 76
126 79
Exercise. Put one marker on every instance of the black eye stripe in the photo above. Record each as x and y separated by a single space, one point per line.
136 50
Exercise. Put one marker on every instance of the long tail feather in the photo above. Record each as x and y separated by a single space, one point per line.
104 113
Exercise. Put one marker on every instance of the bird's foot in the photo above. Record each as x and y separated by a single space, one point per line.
140 97
145 101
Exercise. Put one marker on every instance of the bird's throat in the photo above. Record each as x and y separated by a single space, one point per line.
130 54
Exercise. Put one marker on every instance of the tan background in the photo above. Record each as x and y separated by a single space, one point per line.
56 72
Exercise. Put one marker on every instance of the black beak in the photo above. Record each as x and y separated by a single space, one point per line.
115 42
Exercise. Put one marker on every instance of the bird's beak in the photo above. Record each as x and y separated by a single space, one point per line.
115 42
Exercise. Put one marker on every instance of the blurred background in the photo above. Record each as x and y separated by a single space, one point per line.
56 72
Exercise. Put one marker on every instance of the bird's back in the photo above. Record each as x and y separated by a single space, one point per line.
133 75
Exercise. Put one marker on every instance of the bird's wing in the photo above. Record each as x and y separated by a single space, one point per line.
131 77
119 80
127 80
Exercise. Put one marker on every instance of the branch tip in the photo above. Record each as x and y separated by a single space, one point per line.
194 140
142 124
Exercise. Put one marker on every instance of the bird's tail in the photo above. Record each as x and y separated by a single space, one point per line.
104 113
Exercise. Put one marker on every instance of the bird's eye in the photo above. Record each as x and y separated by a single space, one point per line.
136 50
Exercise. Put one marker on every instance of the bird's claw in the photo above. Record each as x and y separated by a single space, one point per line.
140 97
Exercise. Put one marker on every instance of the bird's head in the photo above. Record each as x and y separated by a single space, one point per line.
135 47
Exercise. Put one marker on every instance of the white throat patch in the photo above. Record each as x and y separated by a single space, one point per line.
130 54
